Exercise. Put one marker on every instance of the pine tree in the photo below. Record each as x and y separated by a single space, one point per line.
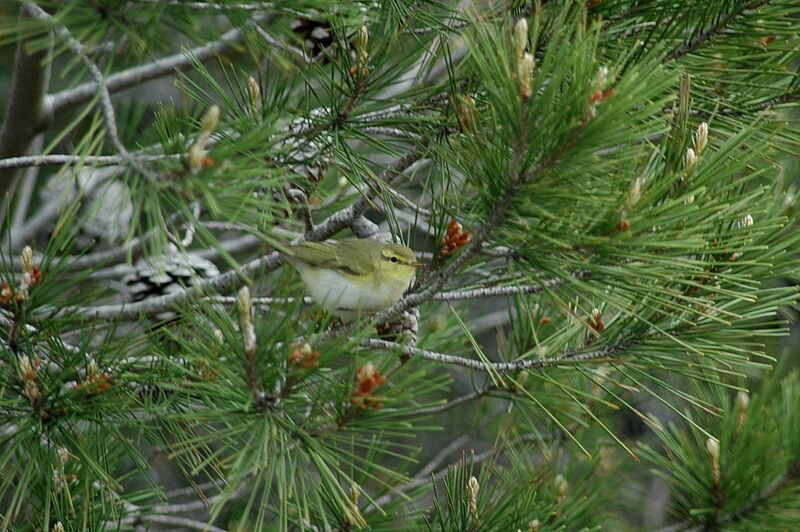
602 192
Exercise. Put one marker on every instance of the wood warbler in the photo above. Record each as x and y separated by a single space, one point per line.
351 275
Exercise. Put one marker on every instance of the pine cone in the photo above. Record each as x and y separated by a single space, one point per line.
404 329
166 274
316 34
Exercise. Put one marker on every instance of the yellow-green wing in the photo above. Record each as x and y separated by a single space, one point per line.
327 255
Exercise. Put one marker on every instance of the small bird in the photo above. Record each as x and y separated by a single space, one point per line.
353 275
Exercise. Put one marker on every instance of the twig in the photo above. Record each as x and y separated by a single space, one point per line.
363 228
213 6
565 358
174 521
431 410
263 301
502 291
93 160
440 457
281 45
299 197
106 106
420 480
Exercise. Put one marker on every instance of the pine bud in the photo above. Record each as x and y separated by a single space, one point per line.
467 113
525 75
92 369
561 487
596 321
210 121
246 324
520 39
63 456
254 92
747 221
601 78
472 493
363 51
27 260
712 444
196 156
58 527
700 138
689 159
355 492
635 193
25 366
742 402
534 525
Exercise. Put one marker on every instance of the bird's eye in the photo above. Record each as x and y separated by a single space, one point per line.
393 259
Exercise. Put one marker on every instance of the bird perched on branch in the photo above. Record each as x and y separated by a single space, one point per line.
353 275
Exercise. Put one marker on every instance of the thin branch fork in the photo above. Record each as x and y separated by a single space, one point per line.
106 106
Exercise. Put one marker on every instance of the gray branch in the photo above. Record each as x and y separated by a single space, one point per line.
565 358
106 106
502 291
30 161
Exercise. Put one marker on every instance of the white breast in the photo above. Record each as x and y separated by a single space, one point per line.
337 292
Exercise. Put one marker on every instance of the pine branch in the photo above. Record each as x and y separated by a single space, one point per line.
566 358
174 521
791 475
37 161
503 291
421 480
739 10
211 6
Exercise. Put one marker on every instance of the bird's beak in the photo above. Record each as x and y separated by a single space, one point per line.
416 264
